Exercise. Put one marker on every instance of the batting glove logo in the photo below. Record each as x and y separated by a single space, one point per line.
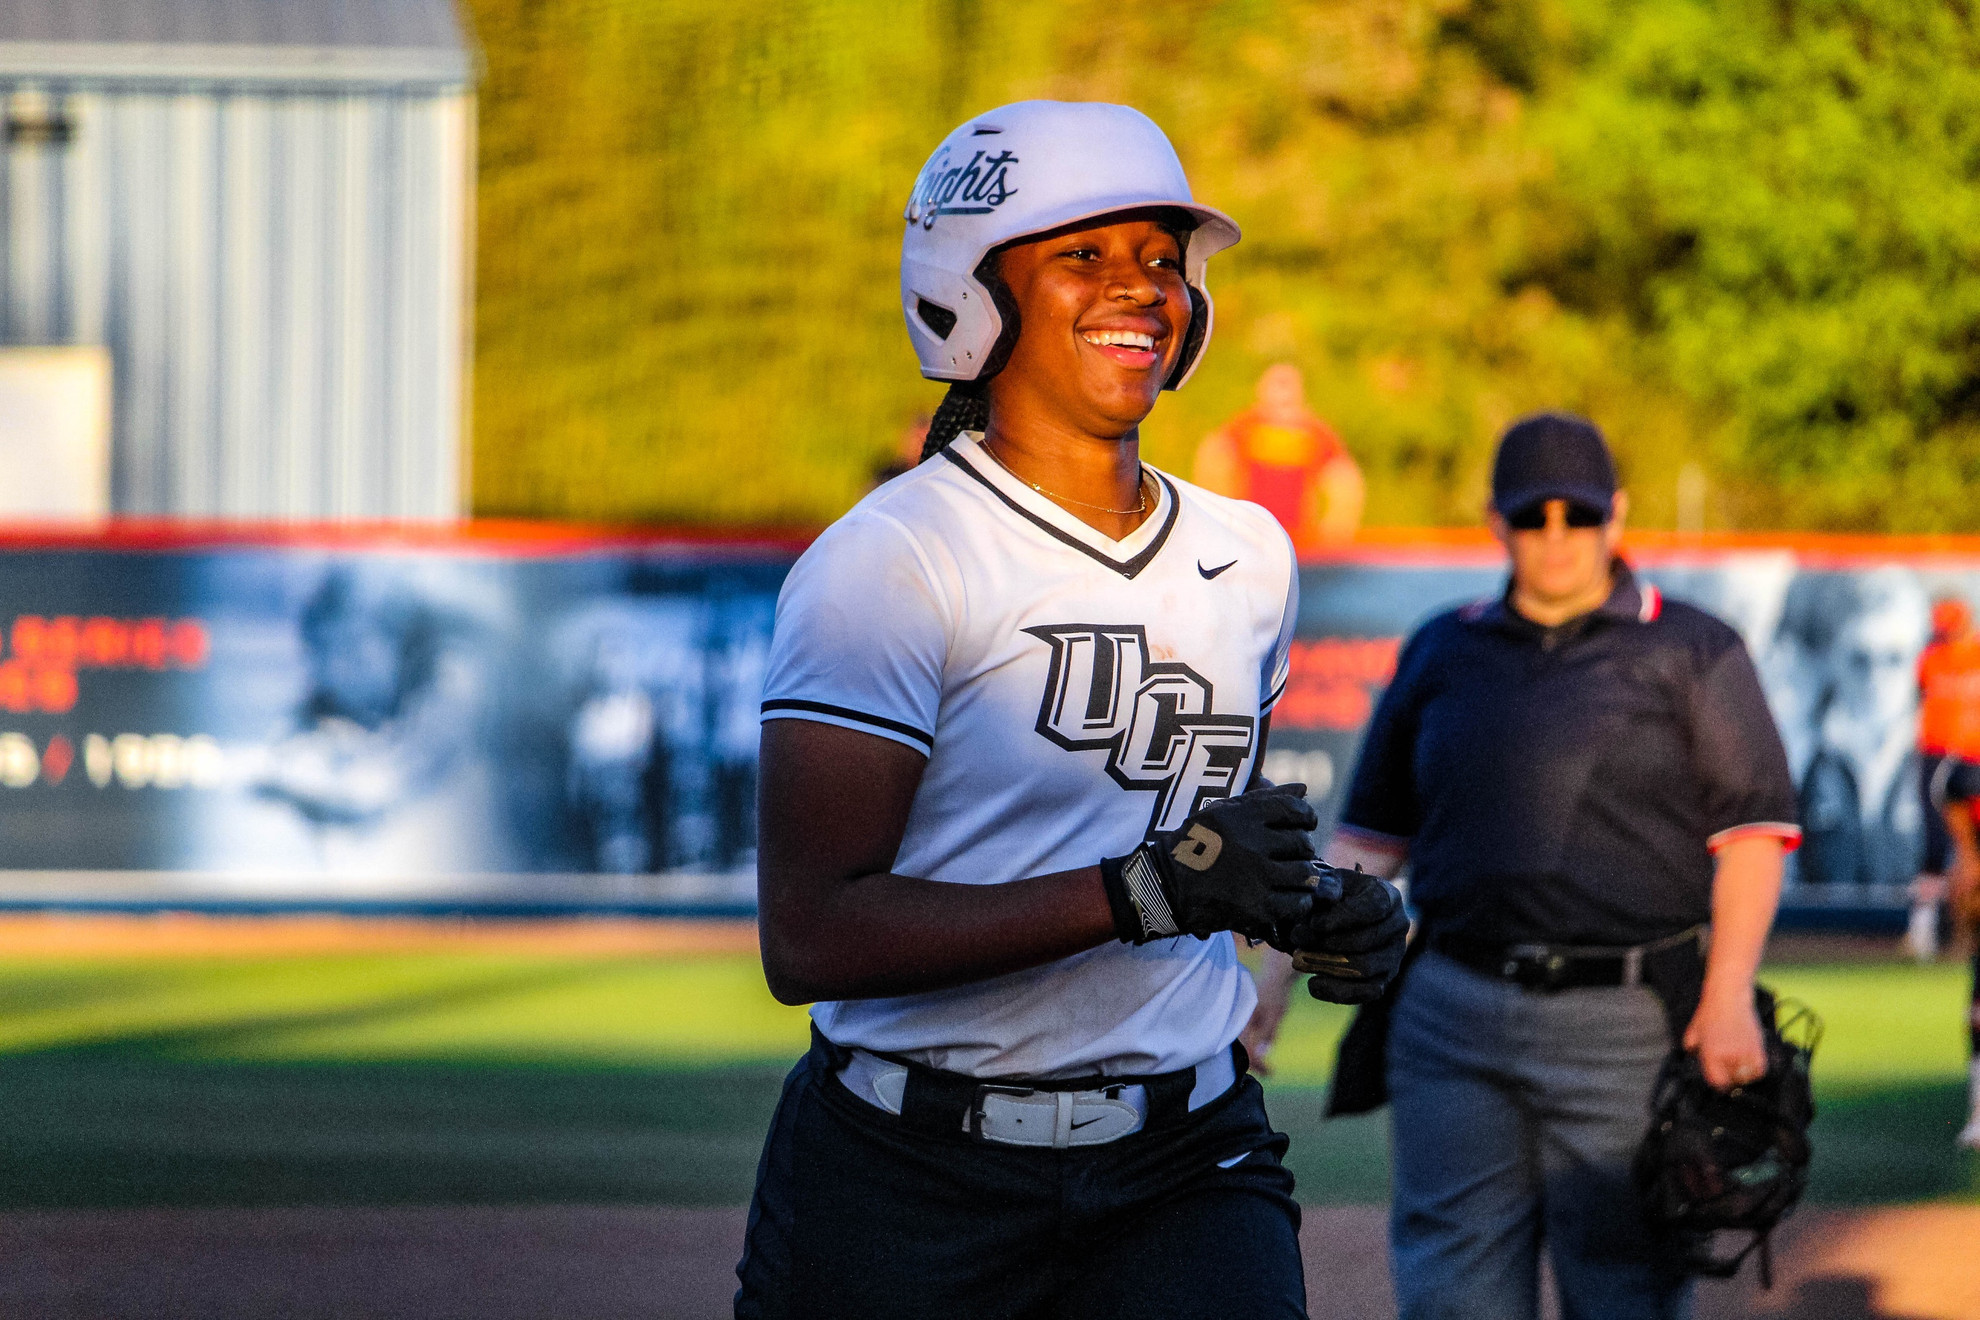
1199 848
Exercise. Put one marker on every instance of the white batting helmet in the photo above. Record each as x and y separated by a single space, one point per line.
1023 169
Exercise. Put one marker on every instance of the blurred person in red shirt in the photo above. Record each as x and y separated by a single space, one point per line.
1279 454
907 452
1949 746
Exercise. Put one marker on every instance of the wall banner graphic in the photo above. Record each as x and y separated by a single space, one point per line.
521 718
413 720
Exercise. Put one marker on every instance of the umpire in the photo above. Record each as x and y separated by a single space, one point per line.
1594 804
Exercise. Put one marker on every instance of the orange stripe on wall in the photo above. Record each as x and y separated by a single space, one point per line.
1467 545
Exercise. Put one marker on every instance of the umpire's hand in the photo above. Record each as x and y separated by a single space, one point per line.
1354 946
1243 864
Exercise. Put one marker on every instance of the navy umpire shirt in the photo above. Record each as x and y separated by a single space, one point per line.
1567 785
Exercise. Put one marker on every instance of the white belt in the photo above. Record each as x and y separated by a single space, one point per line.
1021 1116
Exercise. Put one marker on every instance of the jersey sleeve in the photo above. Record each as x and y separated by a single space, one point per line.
1737 754
862 636
1278 661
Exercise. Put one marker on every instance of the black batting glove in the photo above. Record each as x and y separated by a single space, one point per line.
1351 947
1243 864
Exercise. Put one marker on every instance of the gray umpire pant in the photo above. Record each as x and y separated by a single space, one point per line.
1516 1114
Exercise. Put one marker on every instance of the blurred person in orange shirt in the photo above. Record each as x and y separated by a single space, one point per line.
1949 746
1949 735
1279 454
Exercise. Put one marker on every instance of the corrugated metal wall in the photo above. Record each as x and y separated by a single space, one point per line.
281 278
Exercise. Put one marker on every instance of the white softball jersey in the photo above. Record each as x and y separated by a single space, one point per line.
1072 694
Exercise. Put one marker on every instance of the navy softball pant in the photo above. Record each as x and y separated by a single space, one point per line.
858 1216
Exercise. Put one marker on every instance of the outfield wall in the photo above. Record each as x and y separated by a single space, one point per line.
530 718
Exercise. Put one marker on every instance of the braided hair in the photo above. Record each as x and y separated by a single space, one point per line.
966 407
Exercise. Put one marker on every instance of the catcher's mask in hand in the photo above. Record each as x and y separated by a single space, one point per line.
1736 1159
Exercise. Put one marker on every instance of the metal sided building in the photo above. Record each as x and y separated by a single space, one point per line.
262 208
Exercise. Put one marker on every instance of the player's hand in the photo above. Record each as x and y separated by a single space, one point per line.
1241 864
1725 1035
1352 947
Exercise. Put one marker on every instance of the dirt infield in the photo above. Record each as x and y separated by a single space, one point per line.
595 1263
188 935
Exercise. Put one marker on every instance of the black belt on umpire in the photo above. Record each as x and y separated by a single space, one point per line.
1549 967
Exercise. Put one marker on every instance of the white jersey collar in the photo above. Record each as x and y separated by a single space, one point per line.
1127 556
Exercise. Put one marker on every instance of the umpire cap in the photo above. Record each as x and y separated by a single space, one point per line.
1552 456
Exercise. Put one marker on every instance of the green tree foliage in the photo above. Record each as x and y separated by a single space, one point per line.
1737 233
1780 196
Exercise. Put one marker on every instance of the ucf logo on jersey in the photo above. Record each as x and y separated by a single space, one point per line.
1151 717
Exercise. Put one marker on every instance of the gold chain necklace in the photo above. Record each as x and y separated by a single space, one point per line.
1142 484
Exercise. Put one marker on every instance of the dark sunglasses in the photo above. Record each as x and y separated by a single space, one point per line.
1534 516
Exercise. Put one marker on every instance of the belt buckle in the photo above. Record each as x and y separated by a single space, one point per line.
1023 1116
1005 1123
1535 967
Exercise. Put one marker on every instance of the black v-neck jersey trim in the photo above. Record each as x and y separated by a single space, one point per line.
1127 568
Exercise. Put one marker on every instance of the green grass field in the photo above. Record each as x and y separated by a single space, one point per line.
486 1077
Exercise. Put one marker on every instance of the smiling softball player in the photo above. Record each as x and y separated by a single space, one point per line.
1016 699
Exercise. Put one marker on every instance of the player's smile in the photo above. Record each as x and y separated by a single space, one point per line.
1103 307
1132 348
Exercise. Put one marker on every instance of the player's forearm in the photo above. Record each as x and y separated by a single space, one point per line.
1959 823
1746 891
1274 978
1345 494
881 935
1963 876
1966 855
836 923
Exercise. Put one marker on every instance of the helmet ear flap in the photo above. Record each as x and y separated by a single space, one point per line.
989 276
1199 325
